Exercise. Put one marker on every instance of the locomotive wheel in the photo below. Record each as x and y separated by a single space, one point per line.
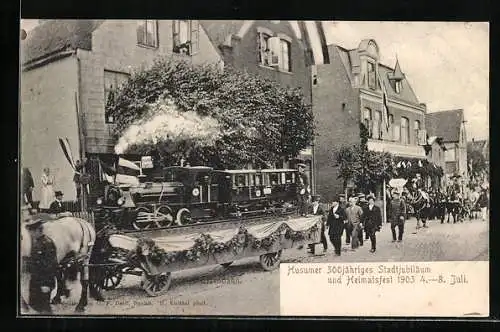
158 284
144 223
112 279
270 261
184 217
164 216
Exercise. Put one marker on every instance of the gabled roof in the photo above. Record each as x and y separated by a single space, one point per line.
53 36
219 31
446 124
352 63
477 144
397 74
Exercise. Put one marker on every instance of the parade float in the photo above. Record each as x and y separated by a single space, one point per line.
155 254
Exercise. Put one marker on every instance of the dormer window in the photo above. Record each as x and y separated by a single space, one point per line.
274 51
397 86
372 78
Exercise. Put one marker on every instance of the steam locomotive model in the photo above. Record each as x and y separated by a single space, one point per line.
184 195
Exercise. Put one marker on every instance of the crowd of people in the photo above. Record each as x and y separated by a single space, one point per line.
358 218
50 200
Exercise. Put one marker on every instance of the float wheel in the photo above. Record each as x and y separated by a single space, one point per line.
156 285
270 261
112 278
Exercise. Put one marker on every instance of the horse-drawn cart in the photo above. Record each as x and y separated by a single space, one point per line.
156 254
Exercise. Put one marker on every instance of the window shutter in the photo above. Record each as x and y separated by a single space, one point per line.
195 36
260 58
275 50
175 33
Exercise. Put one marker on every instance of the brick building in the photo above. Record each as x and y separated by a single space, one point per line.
435 151
69 67
450 125
347 91
276 50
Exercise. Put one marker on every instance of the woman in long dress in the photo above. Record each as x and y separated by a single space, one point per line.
47 190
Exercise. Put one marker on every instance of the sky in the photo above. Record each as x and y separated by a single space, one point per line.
446 63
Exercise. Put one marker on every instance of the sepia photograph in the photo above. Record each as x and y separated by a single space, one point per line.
253 168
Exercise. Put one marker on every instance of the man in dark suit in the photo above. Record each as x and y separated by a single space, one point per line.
397 216
28 185
372 220
56 206
336 223
317 210
304 190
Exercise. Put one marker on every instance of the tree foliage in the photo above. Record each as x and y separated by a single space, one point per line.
366 168
259 121
476 161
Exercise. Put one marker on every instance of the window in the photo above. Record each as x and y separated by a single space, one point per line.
263 40
185 37
112 82
391 127
367 120
449 155
376 125
147 33
398 86
405 131
416 129
285 64
274 51
372 79
397 132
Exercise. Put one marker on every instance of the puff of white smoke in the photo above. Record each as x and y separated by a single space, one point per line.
164 122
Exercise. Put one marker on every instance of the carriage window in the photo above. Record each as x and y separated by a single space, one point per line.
275 179
258 179
289 177
251 180
265 179
241 180
283 178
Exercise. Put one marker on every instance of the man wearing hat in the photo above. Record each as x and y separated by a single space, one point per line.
354 215
56 206
363 203
304 190
397 216
41 265
336 222
372 219
317 210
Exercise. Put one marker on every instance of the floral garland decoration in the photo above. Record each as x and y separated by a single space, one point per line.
206 245
301 235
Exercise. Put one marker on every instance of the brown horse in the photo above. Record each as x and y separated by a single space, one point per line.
72 240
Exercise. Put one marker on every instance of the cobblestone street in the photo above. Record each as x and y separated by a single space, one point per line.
244 289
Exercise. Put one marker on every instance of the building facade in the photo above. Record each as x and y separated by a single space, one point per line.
435 151
350 90
450 125
275 50
69 69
